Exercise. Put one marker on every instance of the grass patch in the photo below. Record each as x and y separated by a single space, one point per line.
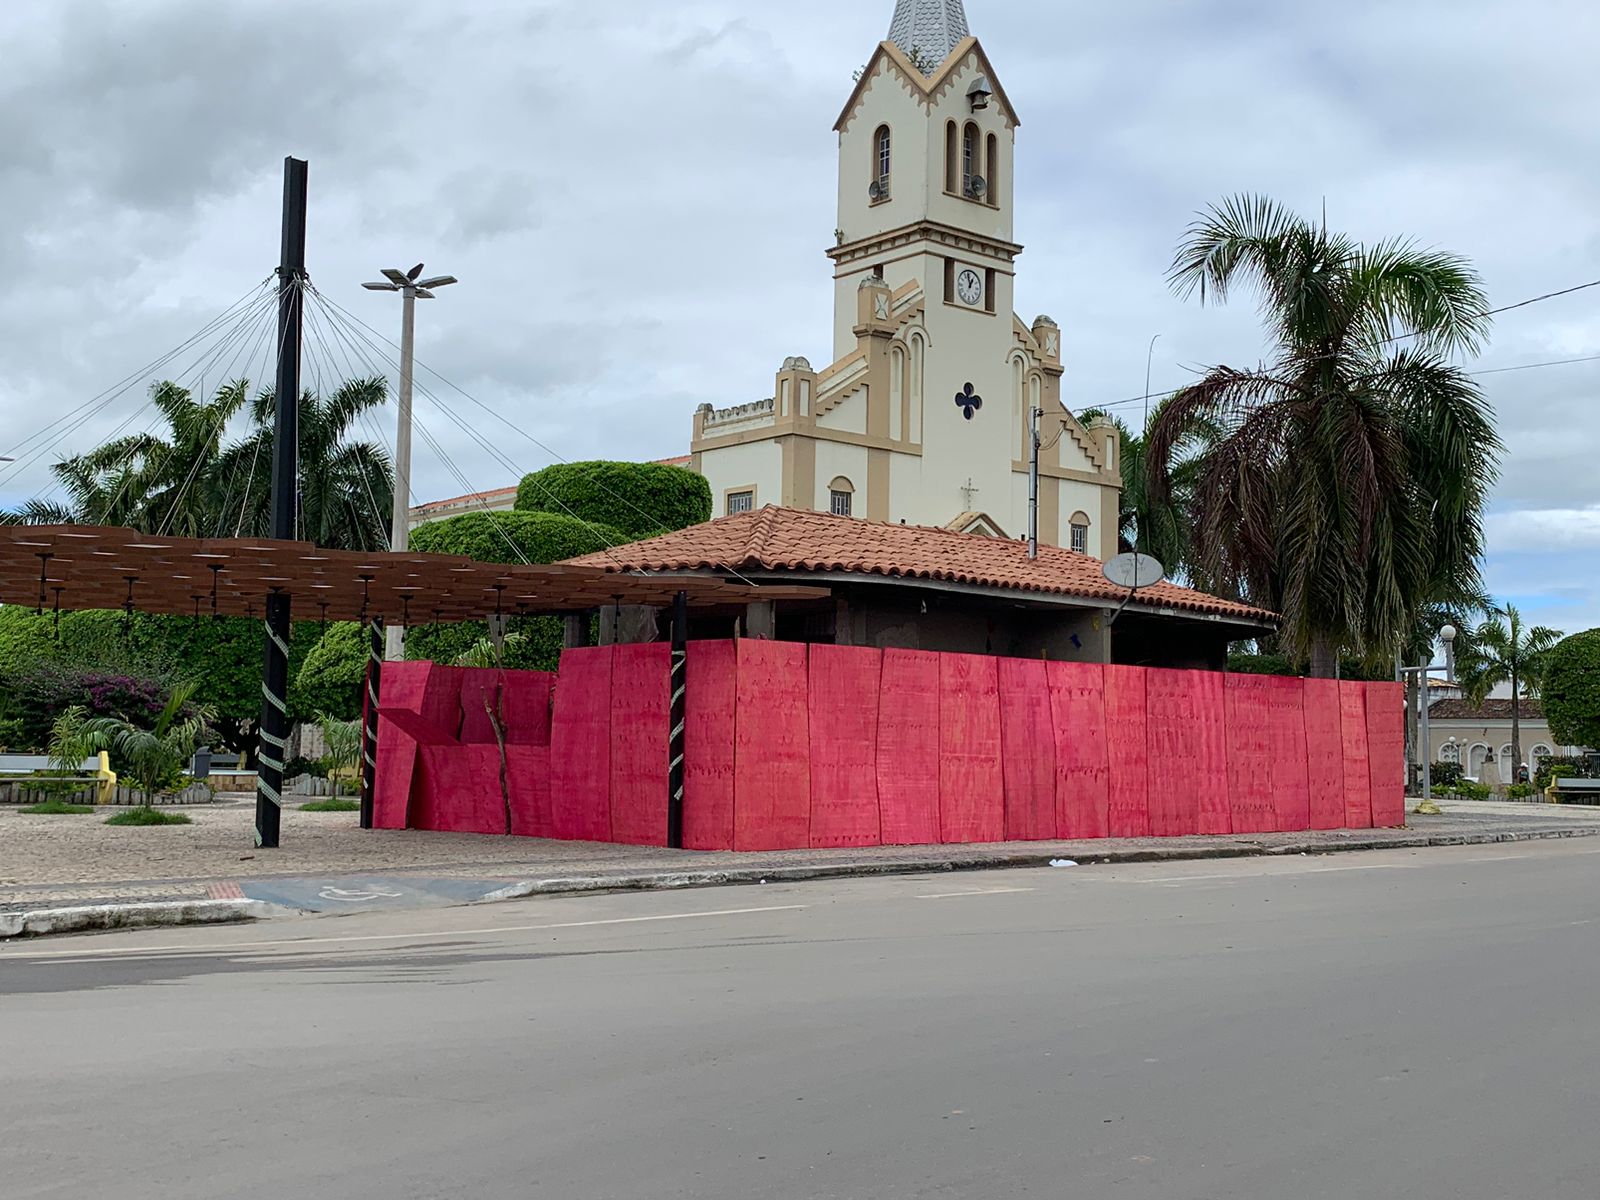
149 816
331 805
57 808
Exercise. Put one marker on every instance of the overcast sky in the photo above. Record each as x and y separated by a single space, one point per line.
637 194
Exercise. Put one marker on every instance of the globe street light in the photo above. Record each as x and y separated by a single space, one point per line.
411 288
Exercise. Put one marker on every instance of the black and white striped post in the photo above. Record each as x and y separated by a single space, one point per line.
680 660
369 721
274 727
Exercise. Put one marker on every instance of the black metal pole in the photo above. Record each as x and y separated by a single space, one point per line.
369 726
680 660
274 732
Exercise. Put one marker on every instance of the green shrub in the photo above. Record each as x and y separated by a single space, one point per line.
538 537
1262 664
144 815
331 678
1571 690
1551 769
1445 774
1520 791
58 808
331 806
639 499
1467 790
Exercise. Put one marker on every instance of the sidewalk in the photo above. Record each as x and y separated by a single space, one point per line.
328 864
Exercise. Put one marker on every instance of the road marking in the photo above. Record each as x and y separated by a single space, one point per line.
1267 875
398 937
1003 891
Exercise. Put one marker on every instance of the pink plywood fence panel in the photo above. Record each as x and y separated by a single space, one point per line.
843 723
525 698
460 790
772 750
1027 750
1324 754
528 779
1127 752
404 685
1249 754
971 779
1214 813
1386 750
480 695
1357 773
1083 767
908 748
580 747
641 699
1174 740
709 718
1286 728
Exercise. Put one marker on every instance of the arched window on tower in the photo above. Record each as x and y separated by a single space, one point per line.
881 161
952 164
841 497
971 161
991 166
1080 533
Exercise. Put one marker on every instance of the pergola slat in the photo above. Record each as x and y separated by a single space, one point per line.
74 567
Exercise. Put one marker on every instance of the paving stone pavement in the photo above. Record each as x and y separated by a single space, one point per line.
48 861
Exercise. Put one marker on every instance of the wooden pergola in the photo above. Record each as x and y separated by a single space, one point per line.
62 568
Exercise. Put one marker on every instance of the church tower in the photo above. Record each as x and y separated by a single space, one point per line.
923 415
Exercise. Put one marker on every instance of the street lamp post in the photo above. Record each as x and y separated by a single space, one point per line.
411 288
1447 635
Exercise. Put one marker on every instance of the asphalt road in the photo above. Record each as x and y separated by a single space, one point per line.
1406 1024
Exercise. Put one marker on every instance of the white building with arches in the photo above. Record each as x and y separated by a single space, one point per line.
1479 737
922 413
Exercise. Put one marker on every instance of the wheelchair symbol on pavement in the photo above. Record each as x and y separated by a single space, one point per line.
355 896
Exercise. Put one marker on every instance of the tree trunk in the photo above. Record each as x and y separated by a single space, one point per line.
1324 658
1516 731
1415 751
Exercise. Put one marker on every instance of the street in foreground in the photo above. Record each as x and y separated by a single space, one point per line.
1405 1023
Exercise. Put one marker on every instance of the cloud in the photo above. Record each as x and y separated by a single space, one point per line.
637 198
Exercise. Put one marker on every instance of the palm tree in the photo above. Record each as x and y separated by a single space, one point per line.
1162 529
155 757
1348 486
160 485
346 487
1504 652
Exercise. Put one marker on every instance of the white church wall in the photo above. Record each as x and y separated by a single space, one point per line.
835 460
739 468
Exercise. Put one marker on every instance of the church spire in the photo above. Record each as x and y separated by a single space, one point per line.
928 30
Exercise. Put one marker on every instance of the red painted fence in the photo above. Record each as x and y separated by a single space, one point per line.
789 746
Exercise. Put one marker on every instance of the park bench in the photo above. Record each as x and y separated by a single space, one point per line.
1572 790
23 778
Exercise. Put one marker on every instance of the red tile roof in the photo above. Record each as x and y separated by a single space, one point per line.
790 539
682 460
1489 710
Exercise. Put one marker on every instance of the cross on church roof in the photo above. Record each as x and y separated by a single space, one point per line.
928 30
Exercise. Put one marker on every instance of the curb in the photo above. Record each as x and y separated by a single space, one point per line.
736 876
42 921
45 921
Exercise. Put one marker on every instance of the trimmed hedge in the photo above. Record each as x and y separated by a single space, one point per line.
330 679
540 537
638 499
1571 690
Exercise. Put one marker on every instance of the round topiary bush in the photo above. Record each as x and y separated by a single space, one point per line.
639 499
1571 691
535 537
330 679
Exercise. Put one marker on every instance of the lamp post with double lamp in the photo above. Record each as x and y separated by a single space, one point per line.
412 288
1447 635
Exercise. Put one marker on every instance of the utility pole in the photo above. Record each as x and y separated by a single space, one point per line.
1033 481
274 725
411 290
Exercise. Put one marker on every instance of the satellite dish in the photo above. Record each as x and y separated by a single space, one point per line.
1134 571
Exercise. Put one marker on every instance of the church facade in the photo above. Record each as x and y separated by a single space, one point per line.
923 414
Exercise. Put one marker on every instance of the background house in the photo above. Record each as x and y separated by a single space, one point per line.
1460 732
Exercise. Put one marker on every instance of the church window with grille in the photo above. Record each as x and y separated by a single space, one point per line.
1080 533
741 502
882 159
841 497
